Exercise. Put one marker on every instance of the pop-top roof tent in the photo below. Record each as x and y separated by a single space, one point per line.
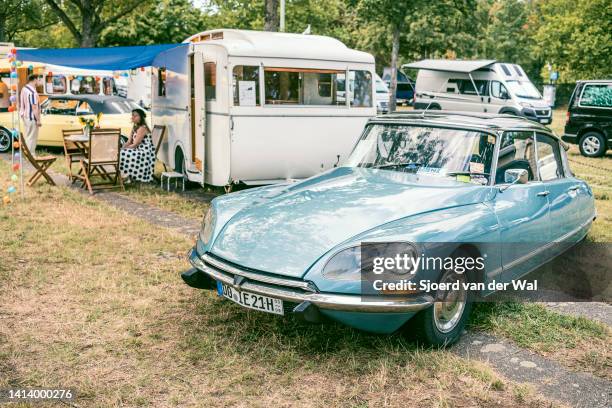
265 44
465 66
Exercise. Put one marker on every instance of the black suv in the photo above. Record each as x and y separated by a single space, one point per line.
589 117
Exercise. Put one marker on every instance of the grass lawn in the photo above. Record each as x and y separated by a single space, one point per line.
90 298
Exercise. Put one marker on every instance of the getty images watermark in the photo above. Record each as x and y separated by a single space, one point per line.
490 271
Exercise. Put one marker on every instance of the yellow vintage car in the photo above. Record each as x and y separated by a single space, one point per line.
63 112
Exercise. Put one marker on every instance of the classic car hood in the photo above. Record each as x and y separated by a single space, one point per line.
288 231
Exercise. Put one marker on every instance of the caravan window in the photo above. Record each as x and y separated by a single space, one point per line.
362 89
210 81
465 86
246 85
303 86
55 85
161 81
84 86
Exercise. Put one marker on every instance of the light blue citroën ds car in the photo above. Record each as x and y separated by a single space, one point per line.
466 180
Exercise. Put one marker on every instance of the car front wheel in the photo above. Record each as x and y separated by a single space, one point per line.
5 140
592 144
442 324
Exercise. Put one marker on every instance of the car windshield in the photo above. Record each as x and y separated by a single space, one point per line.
524 89
424 150
381 87
120 106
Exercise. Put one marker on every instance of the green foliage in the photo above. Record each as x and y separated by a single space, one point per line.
17 16
163 22
575 36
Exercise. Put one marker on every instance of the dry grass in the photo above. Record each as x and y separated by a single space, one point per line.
576 342
90 298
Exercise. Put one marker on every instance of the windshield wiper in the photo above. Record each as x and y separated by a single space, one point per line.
388 165
467 173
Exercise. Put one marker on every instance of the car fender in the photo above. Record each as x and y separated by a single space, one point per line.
473 226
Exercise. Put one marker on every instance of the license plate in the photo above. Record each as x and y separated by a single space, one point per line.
543 120
251 300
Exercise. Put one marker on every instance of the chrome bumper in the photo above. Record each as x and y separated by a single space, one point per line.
328 301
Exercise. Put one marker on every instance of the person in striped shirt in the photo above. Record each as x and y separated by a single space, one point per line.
29 110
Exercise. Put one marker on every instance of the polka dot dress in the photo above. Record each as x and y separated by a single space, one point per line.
138 163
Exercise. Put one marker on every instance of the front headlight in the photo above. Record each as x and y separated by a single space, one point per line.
400 259
344 265
207 226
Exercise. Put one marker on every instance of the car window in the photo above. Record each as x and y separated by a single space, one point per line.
60 107
84 109
549 158
516 152
597 95
498 90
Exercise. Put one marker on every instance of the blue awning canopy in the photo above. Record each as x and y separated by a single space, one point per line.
112 58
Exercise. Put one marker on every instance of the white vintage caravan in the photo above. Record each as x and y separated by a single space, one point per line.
260 107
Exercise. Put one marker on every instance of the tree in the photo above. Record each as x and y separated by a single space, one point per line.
575 37
86 19
392 14
174 20
18 16
507 34
238 14
272 19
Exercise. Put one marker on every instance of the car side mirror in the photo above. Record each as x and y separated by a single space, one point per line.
515 176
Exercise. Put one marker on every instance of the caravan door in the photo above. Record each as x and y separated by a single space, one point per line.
198 112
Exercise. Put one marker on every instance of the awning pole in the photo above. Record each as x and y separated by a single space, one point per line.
474 84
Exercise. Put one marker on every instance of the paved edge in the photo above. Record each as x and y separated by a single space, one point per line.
546 376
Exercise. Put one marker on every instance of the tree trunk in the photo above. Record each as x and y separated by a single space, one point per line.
2 30
394 55
88 30
272 19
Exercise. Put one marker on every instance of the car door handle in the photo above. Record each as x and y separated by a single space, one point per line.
543 193
573 188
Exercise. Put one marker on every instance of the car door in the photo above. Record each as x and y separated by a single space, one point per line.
522 209
498 97
567 196
56 114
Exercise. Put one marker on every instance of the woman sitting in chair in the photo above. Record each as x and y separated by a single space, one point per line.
138 154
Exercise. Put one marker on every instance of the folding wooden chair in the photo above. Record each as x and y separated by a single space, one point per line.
103 153
41 163
157 134
72 153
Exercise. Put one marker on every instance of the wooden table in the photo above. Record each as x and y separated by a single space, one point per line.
81 142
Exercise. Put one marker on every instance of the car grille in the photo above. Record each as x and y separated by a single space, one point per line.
233 271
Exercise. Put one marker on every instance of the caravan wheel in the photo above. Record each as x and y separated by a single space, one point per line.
179 162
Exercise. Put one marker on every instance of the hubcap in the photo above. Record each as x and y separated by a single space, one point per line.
591 145
5 141
448 311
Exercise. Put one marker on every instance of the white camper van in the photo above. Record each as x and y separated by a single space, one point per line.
478 86
260 107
